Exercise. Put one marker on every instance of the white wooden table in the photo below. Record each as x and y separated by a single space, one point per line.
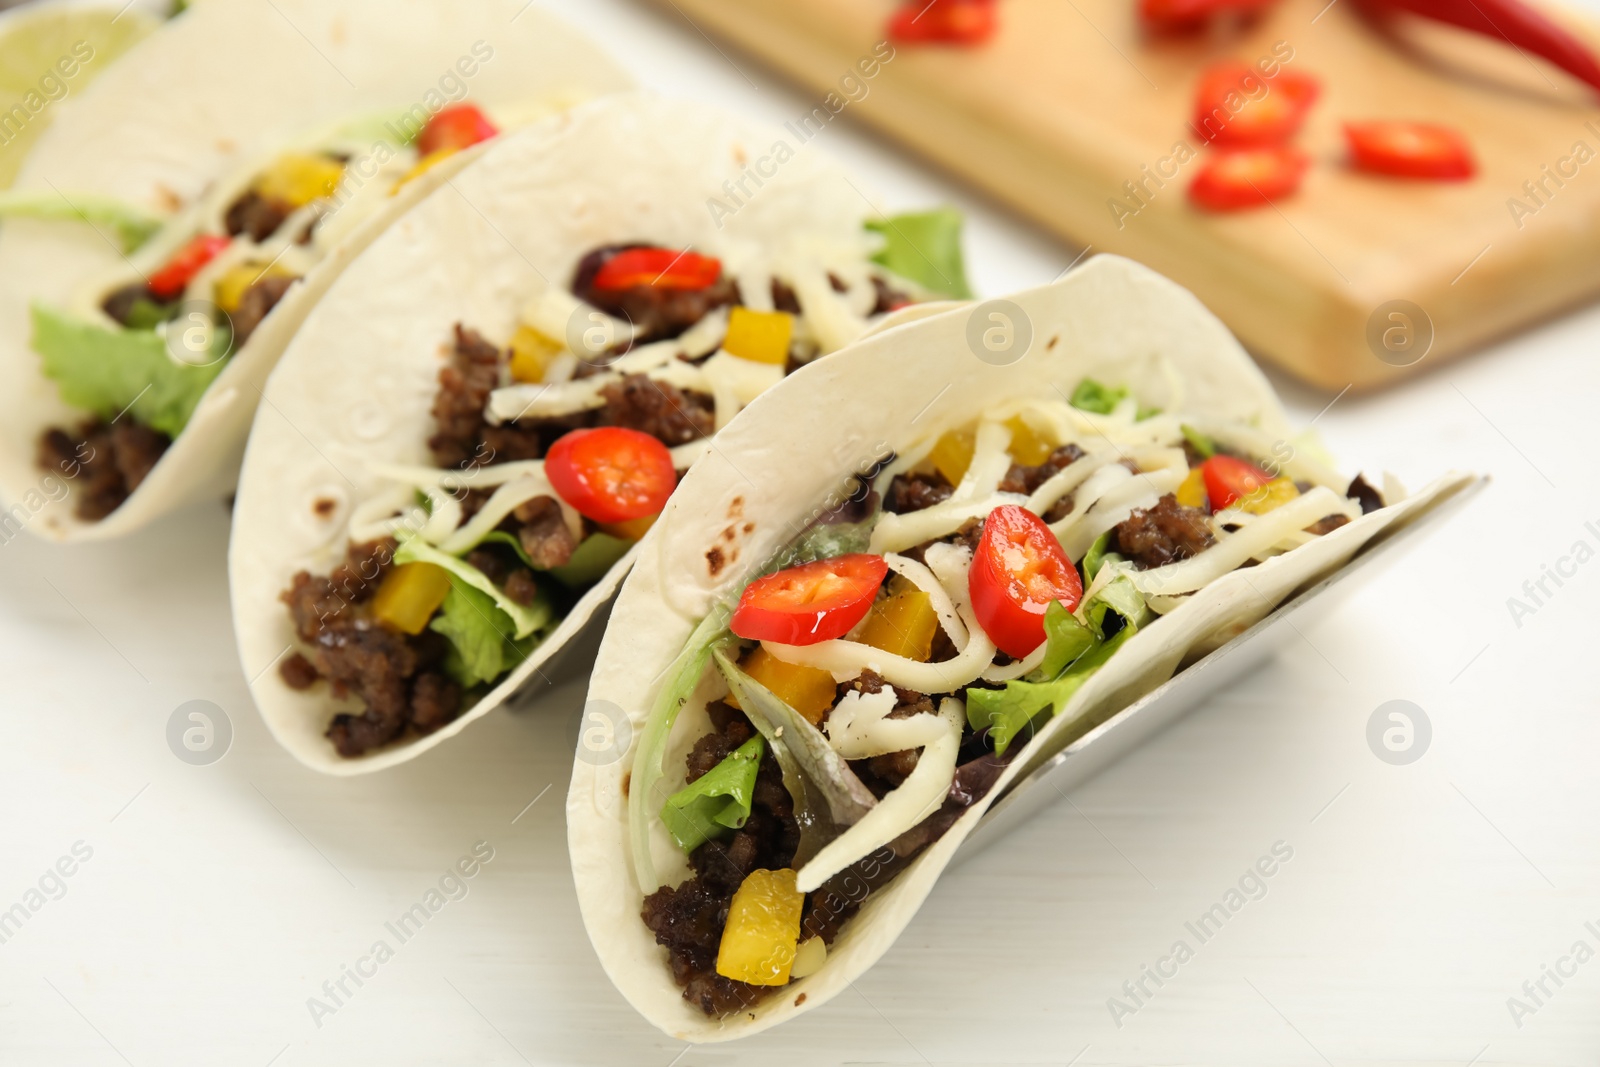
215 901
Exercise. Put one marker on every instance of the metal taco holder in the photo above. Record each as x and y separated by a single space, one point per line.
1108 742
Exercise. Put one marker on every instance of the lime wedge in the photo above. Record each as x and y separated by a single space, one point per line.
39 45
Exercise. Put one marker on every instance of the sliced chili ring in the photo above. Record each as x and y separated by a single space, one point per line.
455 128
170 280
611 474
1018 570
817 601
1236 106
1410 150
662 268
1229 479
1251 177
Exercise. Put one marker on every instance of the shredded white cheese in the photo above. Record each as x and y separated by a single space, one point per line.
939 599
1196 572
859 726
916 798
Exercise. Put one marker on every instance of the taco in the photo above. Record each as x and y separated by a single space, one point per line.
905 577
228 195
462 445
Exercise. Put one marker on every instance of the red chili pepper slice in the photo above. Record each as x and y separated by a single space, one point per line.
1182 16
659 267
174 276
813 602
1248 178
455 128
1018 569
1410 150
611 474
1511 21
1236 106
1229 478
963 22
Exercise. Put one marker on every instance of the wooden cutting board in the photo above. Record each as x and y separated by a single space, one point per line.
1355 280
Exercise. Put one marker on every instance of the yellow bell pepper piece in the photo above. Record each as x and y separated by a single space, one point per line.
235 281
1192 490
423 166
631 529
1274 494
297 179
531 354
758 942
805 689
759 336
903 624
952 454
409 596
1028 446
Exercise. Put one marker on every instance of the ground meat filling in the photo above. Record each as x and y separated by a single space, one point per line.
464 387
914 492
132 305
1327 524
256 216
256 304
1361 491
887 771
658 313
395 675
544 534
840 897
688 920
1027 479
671 415
463 437
1166 533
108 462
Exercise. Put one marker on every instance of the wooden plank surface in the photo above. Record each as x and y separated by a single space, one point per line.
1070 103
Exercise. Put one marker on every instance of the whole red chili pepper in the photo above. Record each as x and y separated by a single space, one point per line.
1510 21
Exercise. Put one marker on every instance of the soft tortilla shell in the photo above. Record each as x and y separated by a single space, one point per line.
357 384
1110 319
213 90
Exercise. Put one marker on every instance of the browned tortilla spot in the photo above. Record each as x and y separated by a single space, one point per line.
716 561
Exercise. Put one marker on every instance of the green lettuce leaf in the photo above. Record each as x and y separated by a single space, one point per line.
648 762
1199 441
925 247
481 645
1010 712
1074 651
590 561
109 371
1066 639
1090 395
1096 557
526 619
717 801
132 225
1121 596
